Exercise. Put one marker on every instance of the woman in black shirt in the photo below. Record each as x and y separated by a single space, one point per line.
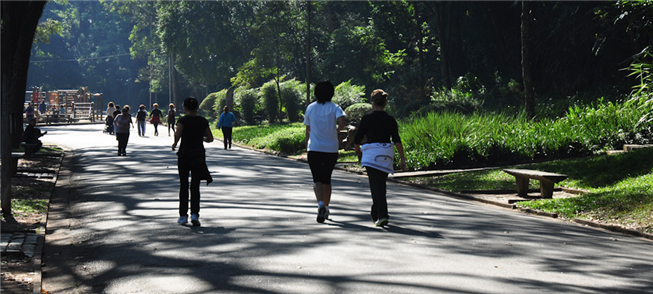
192 129
379 128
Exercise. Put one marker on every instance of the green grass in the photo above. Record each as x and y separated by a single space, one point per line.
621 187
447 139
285 138
29 205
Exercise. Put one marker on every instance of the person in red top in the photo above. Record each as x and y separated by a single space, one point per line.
155 118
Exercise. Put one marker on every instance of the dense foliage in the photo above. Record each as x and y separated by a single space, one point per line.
411 49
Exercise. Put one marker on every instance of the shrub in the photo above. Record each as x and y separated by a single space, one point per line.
356 111
207 105
347 94
292 95
286 138
246 100
270 100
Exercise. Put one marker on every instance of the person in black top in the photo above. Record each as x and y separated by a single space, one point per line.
191 158
170 119
379 127
31 136
141 115
155 118
117 111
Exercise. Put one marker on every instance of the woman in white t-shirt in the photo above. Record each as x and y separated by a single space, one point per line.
320 119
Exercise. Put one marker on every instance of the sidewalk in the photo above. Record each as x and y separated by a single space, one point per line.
23 238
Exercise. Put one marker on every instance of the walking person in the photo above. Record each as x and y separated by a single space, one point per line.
378 153
226 124
155 117
170 119
117 111
320 119
110 109
191 159
121 127
43 107
29 112
141 115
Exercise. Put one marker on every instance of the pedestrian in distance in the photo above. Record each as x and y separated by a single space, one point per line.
110 109
43 107
321 118
192 129
121 127
378 153
170 119
226 124
117 111
155 117
141 115
29 112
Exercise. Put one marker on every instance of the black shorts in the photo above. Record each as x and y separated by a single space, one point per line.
322 164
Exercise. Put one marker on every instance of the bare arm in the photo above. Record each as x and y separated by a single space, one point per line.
342 121
400 149
178 132
209 136
308 134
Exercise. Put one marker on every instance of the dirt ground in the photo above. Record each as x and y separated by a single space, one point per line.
35 179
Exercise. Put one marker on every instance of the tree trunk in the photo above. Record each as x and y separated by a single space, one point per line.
420 46
529 100
19 22
173 78
441 27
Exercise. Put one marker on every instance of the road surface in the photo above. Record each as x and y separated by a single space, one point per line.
112 229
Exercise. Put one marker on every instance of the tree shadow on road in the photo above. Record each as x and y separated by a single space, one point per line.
260 236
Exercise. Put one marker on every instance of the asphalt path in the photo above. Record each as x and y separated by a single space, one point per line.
112 229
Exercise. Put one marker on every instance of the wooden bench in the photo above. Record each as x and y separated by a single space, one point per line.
30 149
15 156
547 180
50 118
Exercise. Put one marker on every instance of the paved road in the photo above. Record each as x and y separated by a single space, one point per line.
112 229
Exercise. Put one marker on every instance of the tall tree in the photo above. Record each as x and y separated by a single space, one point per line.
529 100
19 22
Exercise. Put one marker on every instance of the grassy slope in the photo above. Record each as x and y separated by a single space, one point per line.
621 187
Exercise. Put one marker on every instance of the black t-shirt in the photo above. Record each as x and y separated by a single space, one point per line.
141 115
192 137
156 112
379 127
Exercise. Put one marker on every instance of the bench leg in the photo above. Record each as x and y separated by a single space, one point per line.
546 188
14 165
522 186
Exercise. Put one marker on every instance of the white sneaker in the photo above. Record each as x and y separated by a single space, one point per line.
195 220
182 220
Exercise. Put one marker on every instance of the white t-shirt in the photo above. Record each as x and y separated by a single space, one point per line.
322 118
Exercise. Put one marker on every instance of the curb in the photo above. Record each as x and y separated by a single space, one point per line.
42 232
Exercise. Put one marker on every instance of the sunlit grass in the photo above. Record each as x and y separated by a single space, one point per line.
29 205
621 187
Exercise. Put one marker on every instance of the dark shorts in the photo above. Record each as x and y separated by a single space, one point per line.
322 164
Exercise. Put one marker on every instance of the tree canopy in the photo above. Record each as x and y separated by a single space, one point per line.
409 48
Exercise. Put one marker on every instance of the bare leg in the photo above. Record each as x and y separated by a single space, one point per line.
322 193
